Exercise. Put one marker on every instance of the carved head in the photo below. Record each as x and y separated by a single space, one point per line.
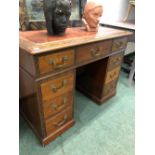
61 15
92 12
57 14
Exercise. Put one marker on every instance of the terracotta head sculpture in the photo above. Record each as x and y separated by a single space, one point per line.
92 12
57 14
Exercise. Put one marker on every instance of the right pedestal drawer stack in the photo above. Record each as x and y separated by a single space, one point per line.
113 70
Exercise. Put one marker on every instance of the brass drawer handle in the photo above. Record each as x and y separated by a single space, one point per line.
113 75
110 88
119 44
61 122
56 88
96 52
57 66
116 61
55 107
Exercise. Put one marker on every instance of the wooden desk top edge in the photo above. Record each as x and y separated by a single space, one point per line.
35 48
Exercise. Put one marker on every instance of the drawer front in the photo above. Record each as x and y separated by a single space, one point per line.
57 86
92 51
115 61
112 75
58 104
56 122
56 61
110 87
119 44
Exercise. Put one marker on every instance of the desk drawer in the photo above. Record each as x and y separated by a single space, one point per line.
115 61
110 87
57 122
57 86
112 75
119 44
92 51
56 61
58 104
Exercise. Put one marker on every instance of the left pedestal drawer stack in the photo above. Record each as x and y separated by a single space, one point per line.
46 100
57 101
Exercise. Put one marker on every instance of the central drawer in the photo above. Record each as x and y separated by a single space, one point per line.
57 86
92 51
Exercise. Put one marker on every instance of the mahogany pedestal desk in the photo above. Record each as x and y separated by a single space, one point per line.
51 67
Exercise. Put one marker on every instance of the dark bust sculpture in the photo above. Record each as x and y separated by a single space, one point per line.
57 14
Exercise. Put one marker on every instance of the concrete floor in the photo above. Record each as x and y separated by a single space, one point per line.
99 130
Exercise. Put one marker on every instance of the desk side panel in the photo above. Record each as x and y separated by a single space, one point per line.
29 106
26 61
